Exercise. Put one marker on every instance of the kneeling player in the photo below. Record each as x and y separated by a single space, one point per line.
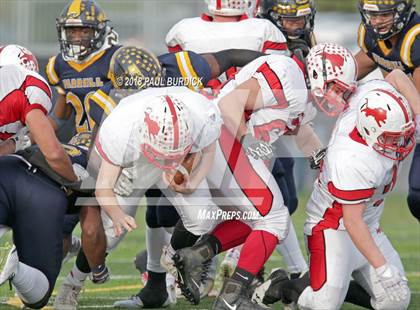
344 238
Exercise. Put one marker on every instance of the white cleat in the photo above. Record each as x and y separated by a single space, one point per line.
74 248
167 262
228 265
171 289
67 296
9 261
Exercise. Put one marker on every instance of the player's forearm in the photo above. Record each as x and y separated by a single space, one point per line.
7 147
108 201
307 140
365 65
235 58
362 239
405 86
206 163
232 111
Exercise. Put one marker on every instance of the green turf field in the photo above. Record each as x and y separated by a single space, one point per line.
398 224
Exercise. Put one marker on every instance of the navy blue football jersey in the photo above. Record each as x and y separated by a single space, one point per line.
181 69
79 81
404 55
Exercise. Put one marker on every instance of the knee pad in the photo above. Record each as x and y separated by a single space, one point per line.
292 205
151 217
327 298
413 201
40 304
166 215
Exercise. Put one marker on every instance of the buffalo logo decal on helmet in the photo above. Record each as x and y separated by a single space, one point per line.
379 114
336 60
153 126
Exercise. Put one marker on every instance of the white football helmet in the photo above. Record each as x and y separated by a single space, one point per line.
228 7
18 55
385 122
166 132
332 73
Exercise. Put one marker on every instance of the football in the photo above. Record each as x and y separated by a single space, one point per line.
190 161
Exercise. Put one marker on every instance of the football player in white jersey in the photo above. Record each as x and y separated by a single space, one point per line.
342 228
228 26
332 71
25 99
265 100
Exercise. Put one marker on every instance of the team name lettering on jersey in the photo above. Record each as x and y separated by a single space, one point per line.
83 82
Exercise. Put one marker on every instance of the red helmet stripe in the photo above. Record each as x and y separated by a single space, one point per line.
218 4
397 100
174 121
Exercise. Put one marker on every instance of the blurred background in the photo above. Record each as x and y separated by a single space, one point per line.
31 23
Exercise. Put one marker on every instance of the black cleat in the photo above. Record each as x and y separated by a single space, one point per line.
234 296
271 290
189 264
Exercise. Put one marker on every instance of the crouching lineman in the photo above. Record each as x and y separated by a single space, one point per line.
342 229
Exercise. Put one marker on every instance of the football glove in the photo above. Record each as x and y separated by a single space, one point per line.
392 281
80 172
299 48
21 139
256 148
124 185
317 157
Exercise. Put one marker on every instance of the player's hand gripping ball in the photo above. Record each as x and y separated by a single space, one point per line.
190 161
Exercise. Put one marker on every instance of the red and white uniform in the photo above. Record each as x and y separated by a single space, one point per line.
21 91
119 143
202 35
246 185
284 93
352 173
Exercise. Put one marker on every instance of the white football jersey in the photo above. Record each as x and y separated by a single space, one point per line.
284 94
201 35
119 136
352 173
21 91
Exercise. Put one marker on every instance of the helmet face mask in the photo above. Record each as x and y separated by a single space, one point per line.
332 99
393 17
332 73
285 13
396 146
162 161
385 122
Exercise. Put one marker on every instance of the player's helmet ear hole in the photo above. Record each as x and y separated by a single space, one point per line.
389 108
315 75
